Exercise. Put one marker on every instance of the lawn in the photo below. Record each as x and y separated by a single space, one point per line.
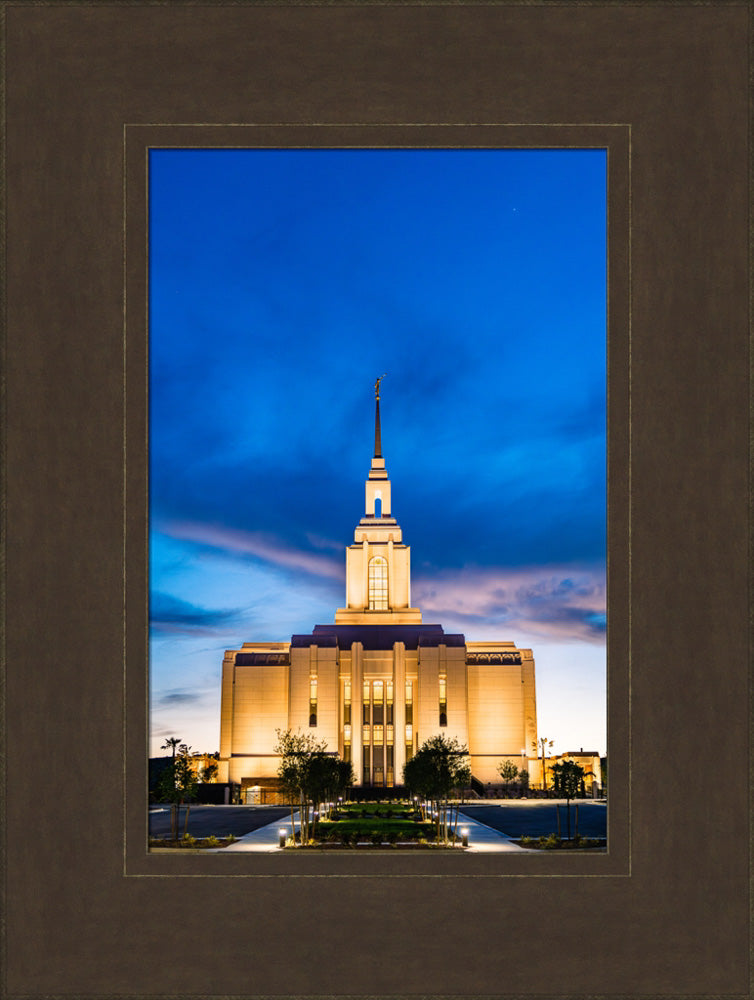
372 824
377 823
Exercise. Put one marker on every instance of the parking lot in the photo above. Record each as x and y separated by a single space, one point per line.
537 817
205 821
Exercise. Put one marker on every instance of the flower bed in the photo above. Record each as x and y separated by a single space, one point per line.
552 842
189 843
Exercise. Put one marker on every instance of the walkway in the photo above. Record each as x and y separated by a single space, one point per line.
482 839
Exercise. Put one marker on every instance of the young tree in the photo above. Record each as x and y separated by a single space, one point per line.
166 784
177 785
435 771
523 779
309 775
185 783
566 779
508 772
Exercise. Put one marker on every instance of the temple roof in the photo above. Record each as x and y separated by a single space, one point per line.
378 636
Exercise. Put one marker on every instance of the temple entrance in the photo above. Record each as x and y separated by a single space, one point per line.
261 792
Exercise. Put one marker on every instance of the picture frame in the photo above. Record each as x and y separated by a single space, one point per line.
87 89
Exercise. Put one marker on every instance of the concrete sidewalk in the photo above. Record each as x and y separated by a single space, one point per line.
484 840
265 840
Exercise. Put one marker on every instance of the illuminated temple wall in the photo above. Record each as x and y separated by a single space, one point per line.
488 704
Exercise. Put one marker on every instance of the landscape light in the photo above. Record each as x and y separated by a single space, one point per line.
464 836
282 833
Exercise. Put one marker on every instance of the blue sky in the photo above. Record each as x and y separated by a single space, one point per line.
282 283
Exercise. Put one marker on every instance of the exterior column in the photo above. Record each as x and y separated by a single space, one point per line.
391 601
365 574
357 680
399 711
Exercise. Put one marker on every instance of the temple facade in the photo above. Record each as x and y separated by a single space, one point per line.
377 682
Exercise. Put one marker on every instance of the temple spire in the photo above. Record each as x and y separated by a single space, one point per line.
377 436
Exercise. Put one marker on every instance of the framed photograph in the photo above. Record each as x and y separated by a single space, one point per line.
284 281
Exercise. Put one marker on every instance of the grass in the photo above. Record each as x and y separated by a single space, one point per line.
375 825
376 810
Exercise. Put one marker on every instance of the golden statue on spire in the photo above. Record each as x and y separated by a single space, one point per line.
377 387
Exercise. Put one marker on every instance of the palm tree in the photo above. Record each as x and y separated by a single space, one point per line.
170 744
543 743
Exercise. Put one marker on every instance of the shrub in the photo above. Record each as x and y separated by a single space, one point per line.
211 841
345 837
389 813
550 842
392 837
525 841
376 837
231 838
188 841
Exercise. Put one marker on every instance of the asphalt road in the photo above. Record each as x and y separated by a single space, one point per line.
538 817
218 820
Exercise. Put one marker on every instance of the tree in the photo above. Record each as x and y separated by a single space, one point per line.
185 783
436 770
543 744
508 771
171 743
523 778
209 771
177 785
166 785
566 779
309 775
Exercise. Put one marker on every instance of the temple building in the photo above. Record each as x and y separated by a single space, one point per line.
378 682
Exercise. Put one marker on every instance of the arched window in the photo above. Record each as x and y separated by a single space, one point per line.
378 584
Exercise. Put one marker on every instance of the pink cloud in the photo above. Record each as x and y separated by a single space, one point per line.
257 544
559 603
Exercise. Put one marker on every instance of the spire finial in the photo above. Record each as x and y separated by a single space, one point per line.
377 439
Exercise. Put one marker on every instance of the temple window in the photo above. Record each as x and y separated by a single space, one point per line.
378 584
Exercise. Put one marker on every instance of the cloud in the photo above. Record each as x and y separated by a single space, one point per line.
324 543
178 699
173 615
254 543
561 604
